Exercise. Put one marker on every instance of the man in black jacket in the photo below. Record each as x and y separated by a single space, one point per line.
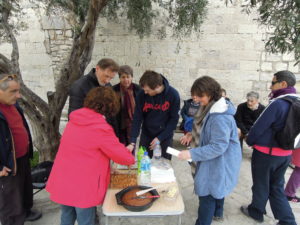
104 72
247 113
16 197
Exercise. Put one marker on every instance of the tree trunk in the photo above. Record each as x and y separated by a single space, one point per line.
45 117
46 136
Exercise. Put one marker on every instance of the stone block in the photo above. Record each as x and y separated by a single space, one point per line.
52 23
266 66
249 65
247 28
36 36
281 66
226 29
293 67
266 76
259 85
69 33
209 28
242 76
99 49
273 57
288 57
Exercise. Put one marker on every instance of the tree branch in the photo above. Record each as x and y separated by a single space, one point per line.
30 96
5 64
15 48
34 99
80 56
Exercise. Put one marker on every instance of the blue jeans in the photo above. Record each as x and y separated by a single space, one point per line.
84 216
209 207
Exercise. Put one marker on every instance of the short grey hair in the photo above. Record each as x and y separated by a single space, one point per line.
4 84
252 94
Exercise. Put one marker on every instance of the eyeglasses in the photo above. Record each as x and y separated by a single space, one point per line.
9 77
275 82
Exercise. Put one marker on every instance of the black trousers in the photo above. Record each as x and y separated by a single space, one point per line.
16 194
268 184
145 141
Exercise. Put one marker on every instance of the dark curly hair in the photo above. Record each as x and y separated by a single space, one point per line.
207 85
103 100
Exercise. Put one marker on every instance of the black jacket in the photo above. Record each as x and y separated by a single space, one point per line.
245 117
79 90
7 154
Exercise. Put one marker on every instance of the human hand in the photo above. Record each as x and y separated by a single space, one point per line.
130 147
5 172
186 139
184 155
153 143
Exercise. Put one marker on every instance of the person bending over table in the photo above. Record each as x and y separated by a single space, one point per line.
81 170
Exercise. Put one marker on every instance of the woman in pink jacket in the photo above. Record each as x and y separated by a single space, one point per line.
294 181
81 171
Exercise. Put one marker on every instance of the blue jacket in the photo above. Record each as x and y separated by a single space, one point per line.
270 121
219 155
159 114
7 156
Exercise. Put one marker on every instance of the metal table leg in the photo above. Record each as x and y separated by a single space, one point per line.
179 219
106 220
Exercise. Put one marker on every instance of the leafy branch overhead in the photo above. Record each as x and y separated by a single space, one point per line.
283 19
183 16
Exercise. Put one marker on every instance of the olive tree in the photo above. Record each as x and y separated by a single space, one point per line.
183 16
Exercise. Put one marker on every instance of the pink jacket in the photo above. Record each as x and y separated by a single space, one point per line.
81 172
296 157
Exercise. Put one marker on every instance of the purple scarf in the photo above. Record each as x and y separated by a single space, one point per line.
283 91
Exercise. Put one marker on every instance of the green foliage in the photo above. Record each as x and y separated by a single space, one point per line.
140 15
188 15
183 16
35 160
283 18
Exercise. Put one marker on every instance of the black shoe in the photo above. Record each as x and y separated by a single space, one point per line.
245 211
33 215
293 199
218 218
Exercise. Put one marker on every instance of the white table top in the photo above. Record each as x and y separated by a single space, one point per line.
160 207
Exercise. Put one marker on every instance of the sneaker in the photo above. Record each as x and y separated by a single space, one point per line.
245 211
33 215
218 218
293 199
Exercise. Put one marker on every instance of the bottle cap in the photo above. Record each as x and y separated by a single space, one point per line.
145 153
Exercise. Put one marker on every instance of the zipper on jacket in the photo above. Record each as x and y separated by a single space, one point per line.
13 150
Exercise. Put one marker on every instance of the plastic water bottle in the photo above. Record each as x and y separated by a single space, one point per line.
157 151
145 175
140 155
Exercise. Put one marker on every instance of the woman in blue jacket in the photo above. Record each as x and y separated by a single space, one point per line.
215 149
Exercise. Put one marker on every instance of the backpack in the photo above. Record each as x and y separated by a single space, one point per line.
40 173
288 137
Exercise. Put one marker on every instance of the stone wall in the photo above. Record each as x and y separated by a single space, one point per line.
230 48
